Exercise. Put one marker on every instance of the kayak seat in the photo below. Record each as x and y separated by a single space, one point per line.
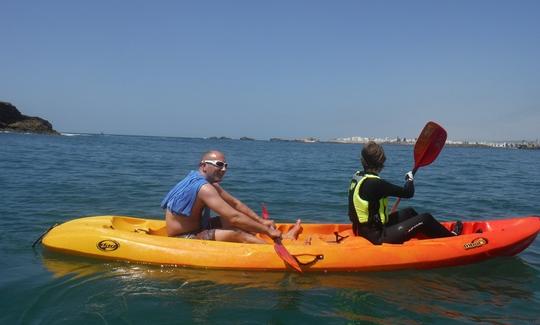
127 223
162 231
475 227
138 225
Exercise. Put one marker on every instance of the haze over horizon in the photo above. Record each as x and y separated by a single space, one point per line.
276 70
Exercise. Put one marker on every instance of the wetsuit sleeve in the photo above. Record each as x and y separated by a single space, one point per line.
374 189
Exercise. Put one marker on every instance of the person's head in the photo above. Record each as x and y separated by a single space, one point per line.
373 157
213 166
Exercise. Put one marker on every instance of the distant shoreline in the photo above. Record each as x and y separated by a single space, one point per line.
477 144
530 145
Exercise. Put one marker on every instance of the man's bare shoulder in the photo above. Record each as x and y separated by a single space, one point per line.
207 190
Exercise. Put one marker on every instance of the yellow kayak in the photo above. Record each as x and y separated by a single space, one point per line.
319 247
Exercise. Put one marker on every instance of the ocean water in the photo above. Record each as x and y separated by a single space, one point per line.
49 179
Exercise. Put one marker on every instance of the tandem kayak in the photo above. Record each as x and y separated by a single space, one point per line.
319 247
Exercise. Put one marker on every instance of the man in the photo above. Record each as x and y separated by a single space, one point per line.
187 208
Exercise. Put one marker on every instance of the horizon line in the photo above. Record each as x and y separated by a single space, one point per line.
312 139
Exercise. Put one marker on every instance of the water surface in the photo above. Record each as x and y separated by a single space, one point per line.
49 179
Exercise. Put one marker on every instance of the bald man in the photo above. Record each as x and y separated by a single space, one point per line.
187 208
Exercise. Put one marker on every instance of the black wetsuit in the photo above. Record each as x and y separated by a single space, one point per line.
402 225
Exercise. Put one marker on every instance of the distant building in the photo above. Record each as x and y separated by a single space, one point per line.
411 141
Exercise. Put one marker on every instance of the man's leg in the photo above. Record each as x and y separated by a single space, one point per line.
424 223
294 231
237 236
401 215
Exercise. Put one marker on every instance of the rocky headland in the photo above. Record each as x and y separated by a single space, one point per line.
12 120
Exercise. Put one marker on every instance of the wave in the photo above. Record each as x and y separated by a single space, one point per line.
75 134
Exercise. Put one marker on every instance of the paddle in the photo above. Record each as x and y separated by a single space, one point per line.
426 149
282 252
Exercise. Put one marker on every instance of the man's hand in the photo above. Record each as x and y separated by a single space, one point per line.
268 223
274 233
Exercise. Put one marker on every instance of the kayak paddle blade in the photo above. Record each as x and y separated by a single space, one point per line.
264 211
426 149
429 144
282 252
286 256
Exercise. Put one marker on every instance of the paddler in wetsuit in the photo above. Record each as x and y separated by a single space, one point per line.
368 200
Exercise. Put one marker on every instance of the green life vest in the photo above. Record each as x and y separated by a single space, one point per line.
359 208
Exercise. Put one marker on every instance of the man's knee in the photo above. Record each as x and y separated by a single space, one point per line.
241 236
427 217
235 235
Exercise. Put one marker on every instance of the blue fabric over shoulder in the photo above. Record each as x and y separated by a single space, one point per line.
182 197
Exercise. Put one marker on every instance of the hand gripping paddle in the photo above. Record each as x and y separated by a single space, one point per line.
282 252
426 149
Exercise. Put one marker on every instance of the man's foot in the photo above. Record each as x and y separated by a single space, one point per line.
458 228
294 231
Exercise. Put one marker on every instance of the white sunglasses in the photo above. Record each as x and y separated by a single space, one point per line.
218 163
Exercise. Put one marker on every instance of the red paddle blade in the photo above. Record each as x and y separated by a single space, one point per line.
427 147
265 213
429 144
286 256
282 252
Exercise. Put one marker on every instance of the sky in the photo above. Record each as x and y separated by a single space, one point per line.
286 69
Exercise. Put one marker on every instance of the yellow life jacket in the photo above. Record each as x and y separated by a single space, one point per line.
359 208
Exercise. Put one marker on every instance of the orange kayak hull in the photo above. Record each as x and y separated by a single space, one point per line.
319 247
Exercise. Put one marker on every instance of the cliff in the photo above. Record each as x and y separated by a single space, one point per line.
13 121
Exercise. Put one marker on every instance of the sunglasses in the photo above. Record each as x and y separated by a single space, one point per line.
218 163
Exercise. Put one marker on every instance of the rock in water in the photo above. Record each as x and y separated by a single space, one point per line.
12 120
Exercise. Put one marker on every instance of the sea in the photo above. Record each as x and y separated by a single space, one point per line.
52 179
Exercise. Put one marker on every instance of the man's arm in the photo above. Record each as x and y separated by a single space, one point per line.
211 197
240 206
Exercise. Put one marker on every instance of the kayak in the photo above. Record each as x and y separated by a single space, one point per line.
318 248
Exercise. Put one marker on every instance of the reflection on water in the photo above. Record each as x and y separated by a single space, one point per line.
470 293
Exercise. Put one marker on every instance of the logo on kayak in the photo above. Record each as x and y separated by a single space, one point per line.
477 242
108 245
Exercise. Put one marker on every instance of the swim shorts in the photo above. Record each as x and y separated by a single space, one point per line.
206 234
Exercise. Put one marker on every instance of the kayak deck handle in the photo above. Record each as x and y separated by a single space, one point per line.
37 241
339 238
313 258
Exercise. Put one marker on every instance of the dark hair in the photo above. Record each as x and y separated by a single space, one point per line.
373 156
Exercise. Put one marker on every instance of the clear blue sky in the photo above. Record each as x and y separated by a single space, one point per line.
267 69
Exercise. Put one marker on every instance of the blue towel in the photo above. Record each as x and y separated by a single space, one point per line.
181 198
